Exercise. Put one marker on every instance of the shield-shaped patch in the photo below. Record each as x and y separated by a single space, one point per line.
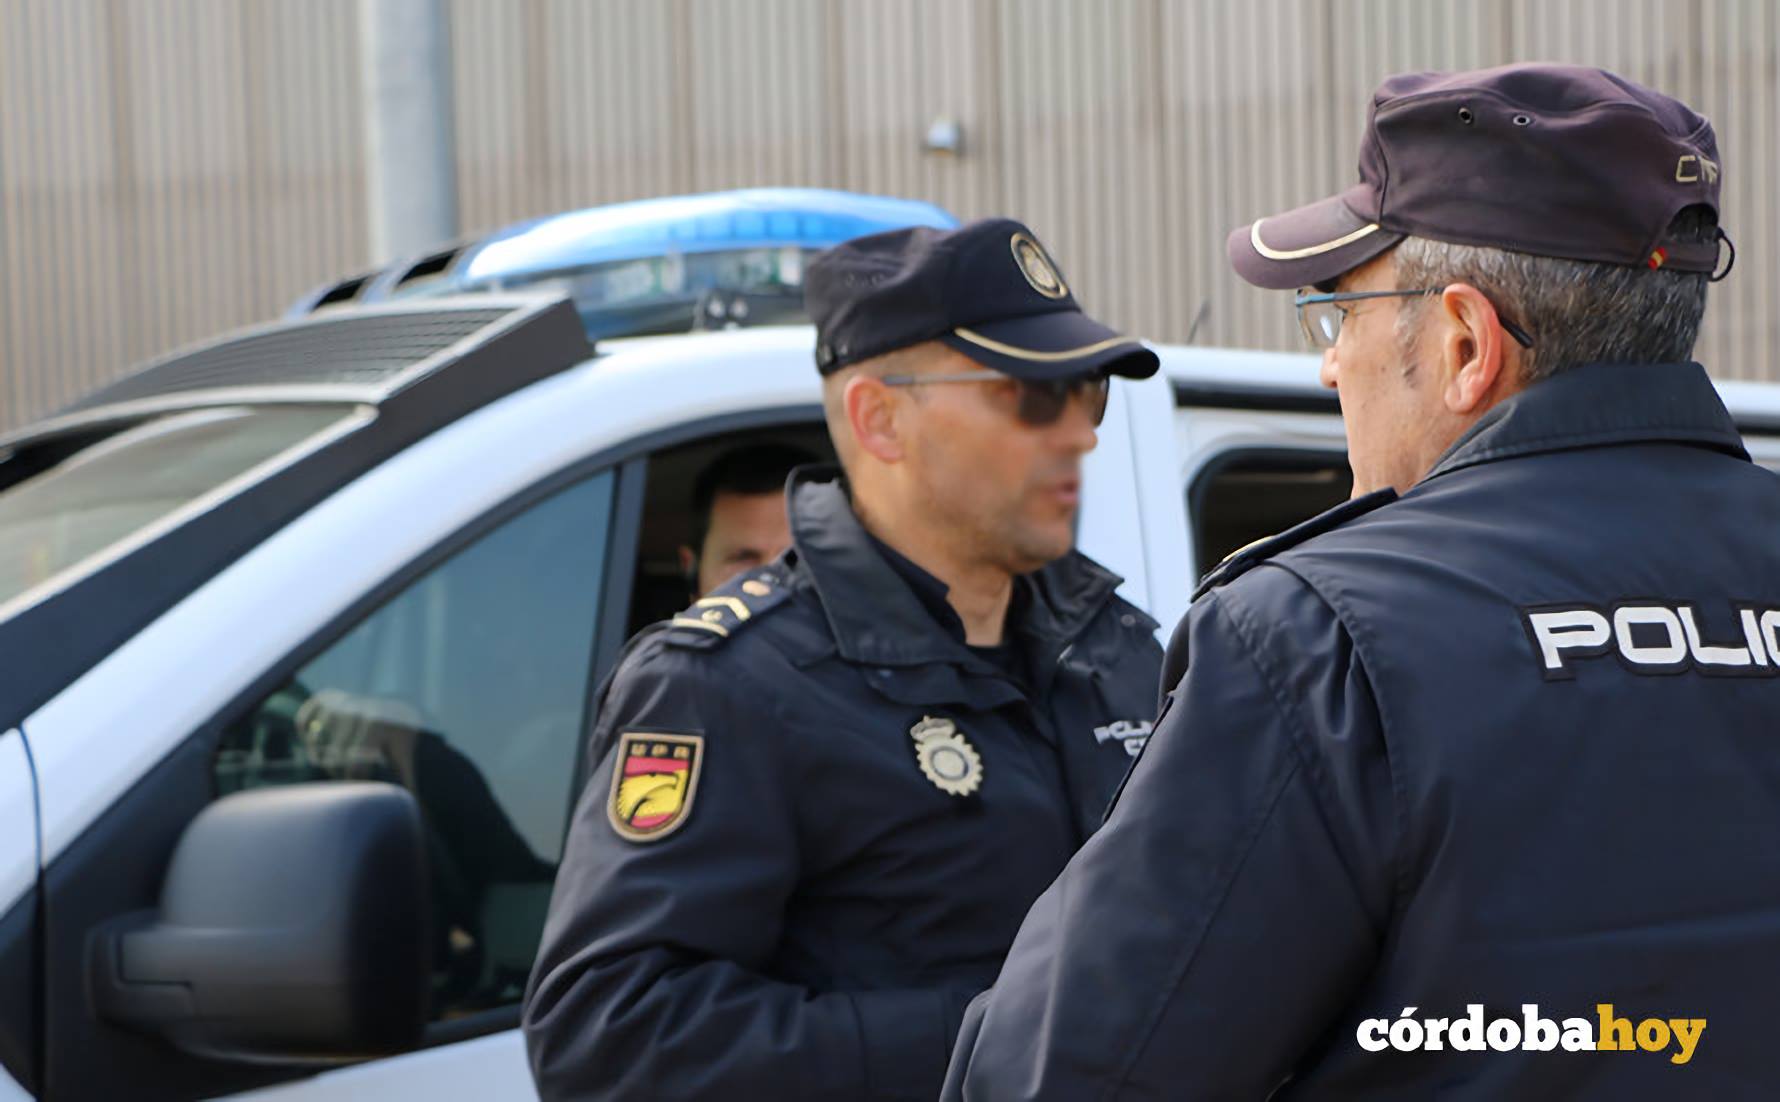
653 783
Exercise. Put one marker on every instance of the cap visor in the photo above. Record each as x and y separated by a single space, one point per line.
1056 345
1307 246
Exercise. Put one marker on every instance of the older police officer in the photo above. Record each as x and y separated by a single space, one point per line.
830 789
1478 772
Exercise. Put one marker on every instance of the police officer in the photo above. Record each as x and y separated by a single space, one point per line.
738 511
830 789
1479 770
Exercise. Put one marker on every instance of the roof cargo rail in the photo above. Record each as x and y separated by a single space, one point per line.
448 356
397 372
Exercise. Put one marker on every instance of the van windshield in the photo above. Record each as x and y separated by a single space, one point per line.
115 490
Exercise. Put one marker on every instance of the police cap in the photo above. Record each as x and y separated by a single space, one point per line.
1554 160
987 289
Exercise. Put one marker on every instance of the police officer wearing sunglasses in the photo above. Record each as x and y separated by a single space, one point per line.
828 792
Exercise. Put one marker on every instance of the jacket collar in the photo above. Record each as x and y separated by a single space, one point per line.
876 618
1600 404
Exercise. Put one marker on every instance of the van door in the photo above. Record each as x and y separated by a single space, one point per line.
1131 520
1764 448
464 679
19 865
1247 474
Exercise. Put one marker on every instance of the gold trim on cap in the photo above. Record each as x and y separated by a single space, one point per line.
1254 237
1038 357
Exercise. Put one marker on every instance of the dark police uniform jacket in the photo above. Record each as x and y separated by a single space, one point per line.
1511 739
811 919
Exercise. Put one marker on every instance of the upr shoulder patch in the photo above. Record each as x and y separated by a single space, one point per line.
654 779
713 620
1244 559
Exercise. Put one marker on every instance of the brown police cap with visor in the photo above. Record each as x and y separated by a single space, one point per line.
1553 160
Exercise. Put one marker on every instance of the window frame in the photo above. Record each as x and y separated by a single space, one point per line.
441 557
348 419
629 464
115 865
1199 486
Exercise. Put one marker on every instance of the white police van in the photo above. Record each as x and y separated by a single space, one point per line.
300 631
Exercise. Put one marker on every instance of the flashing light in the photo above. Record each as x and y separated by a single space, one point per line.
667 265
756 218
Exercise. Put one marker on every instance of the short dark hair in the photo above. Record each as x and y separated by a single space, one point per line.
748 469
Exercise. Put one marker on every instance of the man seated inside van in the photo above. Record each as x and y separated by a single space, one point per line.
738 513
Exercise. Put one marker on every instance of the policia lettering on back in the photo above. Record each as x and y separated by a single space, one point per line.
1498 734
1652 638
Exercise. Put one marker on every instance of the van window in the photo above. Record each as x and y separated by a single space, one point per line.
667 563
469 688
108 490
1251 494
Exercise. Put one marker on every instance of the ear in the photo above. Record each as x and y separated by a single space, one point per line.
688 562
871 413
1473 351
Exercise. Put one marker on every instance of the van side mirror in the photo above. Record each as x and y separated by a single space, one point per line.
292 929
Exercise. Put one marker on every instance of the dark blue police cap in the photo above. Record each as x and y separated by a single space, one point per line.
987 289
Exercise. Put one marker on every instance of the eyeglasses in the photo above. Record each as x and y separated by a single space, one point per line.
1320 316
1042 401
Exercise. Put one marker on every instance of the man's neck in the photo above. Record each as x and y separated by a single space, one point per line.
978 592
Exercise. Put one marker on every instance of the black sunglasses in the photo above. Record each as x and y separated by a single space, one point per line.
1042 401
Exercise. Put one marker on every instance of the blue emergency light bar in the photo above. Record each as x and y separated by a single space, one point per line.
809 218
669 265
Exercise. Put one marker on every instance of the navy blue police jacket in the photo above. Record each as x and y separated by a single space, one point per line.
818 820
1511 740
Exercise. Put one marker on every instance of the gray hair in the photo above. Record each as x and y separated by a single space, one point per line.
1576 311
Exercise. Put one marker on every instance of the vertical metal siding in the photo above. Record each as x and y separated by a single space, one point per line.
900 66
1250 130
1720 56
762 109
170 168
1740 90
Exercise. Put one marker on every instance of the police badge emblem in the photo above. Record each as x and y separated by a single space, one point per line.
1037 267
946 758
654 780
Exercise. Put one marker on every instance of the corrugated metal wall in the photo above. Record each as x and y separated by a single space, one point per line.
170 168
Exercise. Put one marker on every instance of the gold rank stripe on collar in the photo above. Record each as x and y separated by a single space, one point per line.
715 610
1244 559
712 620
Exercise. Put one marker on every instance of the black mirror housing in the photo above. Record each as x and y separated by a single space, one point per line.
292 929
